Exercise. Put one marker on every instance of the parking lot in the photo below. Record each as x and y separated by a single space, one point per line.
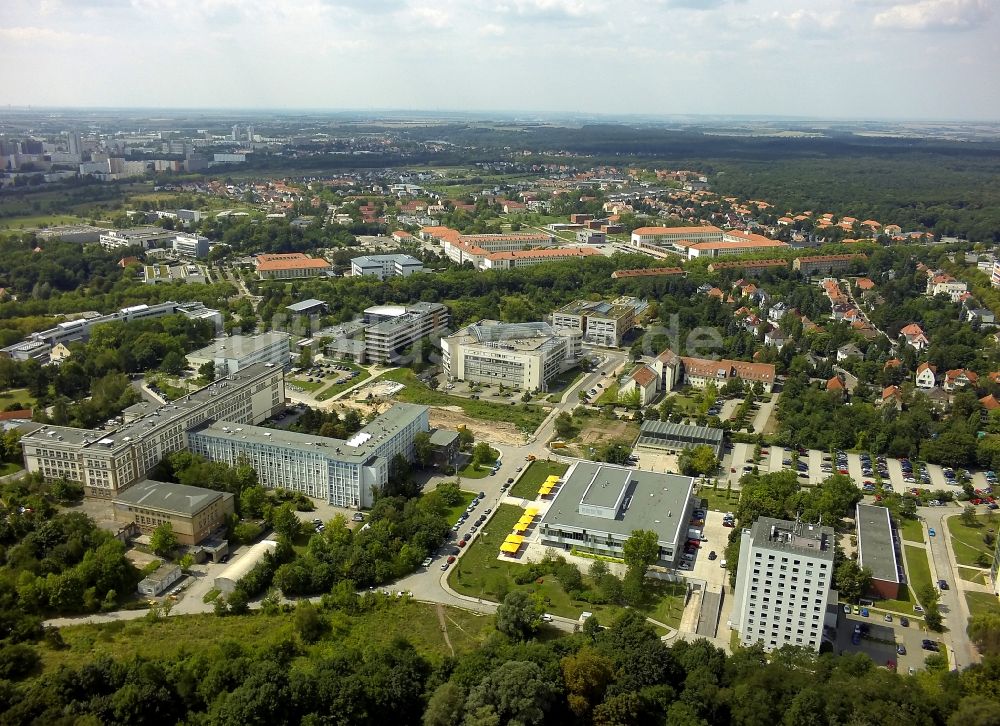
716 538
816 465
882 639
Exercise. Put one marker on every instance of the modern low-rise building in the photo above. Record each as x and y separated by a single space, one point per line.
345 473
227 580
194 513
669 237
312 306
383 266
528 258
524 355
826 264
733 243
878 550
156 583
598 506
235 352
675 437
601 322
783 583
144 237
289 266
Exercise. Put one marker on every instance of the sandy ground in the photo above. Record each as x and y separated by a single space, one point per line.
498 432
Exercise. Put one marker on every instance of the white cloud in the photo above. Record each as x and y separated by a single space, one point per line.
492 30
32 34
935 15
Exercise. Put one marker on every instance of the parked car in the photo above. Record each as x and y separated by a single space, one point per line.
427 562
900 649
712 555
943 584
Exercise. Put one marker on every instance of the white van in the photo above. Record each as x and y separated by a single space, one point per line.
722 563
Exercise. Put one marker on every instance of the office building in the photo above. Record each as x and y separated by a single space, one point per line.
191 245
81 233
524 355
289 266
529 258
826 264
236 352
40 344
383 266
343 473
602 323
783 584
194 513
481 249
878 550
672 239
312 306
598 506
394 328
107 462
733 243
647 272
144 237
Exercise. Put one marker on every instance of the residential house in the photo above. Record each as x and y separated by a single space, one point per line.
849 351
915 336
775 338
643 381
941 283
835 384
926 377
892 396
960 378
777 312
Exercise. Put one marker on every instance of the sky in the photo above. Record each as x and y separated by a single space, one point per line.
896 59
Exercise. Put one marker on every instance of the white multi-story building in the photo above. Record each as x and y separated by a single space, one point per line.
393 328
526 355
343 473
783 584
191 245
145 237
383 266
237 352
106 462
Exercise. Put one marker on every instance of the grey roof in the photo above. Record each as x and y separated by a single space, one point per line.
170 497
443 437
651 500
782 535
305 305
359 447
656 433
876 544
378 260
235 346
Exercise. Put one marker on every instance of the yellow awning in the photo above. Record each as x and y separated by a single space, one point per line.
526 520
509 547
554 477
515 538
533 511
520 527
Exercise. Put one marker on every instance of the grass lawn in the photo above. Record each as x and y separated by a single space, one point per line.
721 500
306 385
903 604
17 395
171 636
480 574
8 467
333 389
968 541
971 574
911 530
564 381
455 512
538 471
467 472
917 567
526 417
609 397
981 603
40 220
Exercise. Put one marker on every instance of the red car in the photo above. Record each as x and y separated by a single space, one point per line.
451 558
461 543
694 543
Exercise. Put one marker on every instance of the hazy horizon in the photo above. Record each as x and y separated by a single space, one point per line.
881 60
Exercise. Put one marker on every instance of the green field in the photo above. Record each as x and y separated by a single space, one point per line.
455 512
538 471
335 388
917 567
526 417
720 500
609 397
40 220
981 603
480 574
968 541
911 530
171 636
970 574
306 385
17 395
467 472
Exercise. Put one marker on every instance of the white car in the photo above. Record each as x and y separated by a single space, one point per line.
547 618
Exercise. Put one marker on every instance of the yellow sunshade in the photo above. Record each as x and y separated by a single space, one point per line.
552 478
520 527
533 511
526 520
515 538
509 547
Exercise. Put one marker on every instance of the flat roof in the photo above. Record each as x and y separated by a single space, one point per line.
652 500
876 544
168 496
360 447
377 260
780 534
304 305
235 346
